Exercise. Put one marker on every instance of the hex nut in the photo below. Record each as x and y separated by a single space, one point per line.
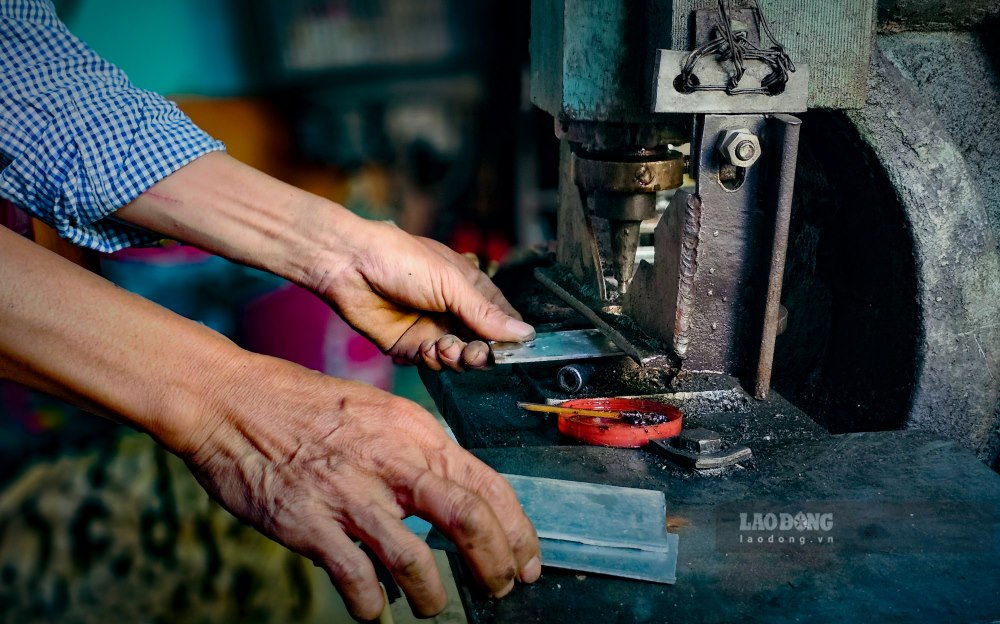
740 148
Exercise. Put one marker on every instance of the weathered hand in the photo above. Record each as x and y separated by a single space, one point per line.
315 462
307 459
417 299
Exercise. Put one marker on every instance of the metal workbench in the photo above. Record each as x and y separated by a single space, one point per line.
883 488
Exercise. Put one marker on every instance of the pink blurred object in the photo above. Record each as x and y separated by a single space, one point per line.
293 324
14 218
166 255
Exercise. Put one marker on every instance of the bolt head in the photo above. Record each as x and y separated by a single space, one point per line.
745 150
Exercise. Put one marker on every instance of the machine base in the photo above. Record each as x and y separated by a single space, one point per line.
912 517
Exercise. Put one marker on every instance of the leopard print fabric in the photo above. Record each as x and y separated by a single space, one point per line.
128 535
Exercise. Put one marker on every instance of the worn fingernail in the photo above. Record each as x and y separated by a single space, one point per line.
506 590
531 570
522 329
446 341
476 355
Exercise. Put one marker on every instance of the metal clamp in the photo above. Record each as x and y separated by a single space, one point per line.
701 449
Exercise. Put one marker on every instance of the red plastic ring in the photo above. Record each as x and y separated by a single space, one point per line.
616 432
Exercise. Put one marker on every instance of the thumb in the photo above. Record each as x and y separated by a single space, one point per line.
482 316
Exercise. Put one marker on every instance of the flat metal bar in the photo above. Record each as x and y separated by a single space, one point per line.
571 345
603 529
788 128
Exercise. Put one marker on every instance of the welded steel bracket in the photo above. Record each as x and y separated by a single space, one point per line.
713 291
668 99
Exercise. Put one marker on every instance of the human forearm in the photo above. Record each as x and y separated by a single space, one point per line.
68 332
404 292
230 209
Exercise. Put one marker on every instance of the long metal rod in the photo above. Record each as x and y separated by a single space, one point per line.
789 133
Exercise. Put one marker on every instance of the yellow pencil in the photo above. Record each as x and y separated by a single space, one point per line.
558 409
386 616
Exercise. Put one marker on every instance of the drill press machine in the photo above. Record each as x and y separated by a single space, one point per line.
709 300
631 85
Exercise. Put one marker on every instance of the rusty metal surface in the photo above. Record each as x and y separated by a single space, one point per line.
834 38
667 99
787 142
663 294
957 373
709 249
661 172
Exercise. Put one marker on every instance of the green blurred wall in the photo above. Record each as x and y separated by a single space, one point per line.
174 47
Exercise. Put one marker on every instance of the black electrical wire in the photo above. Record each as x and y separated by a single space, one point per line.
737 48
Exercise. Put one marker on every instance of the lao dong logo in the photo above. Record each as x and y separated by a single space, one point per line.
800 521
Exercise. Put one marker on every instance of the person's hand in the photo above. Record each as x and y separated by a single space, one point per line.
417 299
314 463
311 461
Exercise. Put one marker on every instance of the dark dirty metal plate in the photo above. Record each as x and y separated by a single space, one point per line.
570 345
481 408
904 582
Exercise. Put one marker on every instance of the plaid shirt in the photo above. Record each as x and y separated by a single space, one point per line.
77 140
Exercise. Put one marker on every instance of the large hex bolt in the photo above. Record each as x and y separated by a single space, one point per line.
740 148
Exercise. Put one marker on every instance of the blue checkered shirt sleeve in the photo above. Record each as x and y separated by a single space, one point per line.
77 140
